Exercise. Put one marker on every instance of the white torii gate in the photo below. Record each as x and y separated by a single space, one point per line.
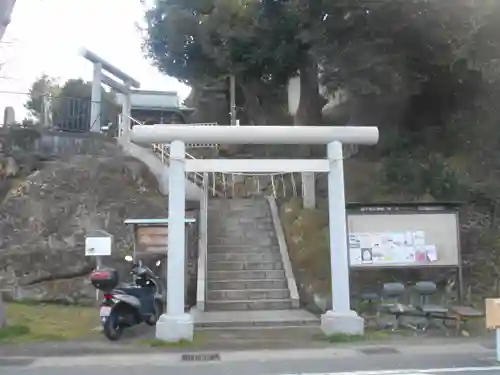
176 325
124 88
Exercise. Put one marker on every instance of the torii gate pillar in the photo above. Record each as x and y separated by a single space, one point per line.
176 325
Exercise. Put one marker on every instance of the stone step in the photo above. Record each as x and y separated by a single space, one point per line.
245 275
308 328
264 304
244 266
244 213
257 239
225 222
255 319
247 294
240 229
237 236
222 218
247 284
249 244
239 212
235 208
245 257
241 248
238 208
234 202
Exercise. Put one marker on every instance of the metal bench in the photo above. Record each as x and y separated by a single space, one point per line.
462 315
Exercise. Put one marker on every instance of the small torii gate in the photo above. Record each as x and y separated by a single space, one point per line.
176 325
123 88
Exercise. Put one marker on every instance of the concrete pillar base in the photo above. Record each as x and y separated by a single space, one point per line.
175 328
350 323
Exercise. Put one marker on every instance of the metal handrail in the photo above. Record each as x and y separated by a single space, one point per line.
163 150
277 180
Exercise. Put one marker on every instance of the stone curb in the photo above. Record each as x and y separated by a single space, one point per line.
178 357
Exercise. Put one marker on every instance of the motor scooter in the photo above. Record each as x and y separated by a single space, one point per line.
132 304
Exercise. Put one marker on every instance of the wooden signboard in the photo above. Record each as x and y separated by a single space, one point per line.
492 313
152 239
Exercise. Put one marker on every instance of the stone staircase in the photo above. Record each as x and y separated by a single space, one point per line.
245 269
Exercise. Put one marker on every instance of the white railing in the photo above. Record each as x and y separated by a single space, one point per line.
279 185
163 154
162 151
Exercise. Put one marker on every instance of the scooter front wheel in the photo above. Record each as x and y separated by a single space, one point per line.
158 311
113 330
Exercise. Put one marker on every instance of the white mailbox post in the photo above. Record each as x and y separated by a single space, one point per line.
98 243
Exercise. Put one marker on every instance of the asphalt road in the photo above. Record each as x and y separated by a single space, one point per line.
414 361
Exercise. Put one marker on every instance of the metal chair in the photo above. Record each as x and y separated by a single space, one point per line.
432 313
368 305
391 296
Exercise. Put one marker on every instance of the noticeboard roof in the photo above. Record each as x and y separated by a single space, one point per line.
411 205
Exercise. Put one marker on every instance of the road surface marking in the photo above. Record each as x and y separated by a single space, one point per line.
409 372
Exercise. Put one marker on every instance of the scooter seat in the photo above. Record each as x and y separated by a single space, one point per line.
137 292
144 295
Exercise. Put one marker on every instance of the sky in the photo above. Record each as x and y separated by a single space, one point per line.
46 36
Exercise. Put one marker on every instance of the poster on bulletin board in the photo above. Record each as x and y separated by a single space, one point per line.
407 248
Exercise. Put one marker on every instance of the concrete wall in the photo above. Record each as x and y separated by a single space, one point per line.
60 145
160 170
54 144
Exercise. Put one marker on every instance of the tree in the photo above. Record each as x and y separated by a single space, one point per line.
401 61
41 89
69 104
484 46
262 43
382 46
71 110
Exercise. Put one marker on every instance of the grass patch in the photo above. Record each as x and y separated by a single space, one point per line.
35 302
370 335
47 322
342 338
307 236
13 331
156 343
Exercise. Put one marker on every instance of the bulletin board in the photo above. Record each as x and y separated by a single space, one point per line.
403 239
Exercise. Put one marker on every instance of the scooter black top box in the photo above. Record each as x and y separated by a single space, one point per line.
105 279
